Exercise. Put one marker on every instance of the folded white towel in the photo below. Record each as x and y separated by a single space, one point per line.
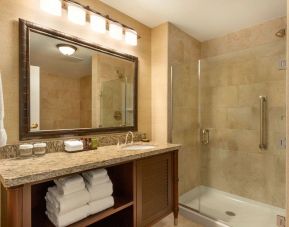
69 185
73 143
64 203
70 217
95 174
100 191
100 205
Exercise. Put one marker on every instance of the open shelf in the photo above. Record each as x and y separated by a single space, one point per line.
120 205
122 179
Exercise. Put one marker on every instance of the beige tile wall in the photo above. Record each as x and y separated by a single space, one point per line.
29 10
231 83
85 101
159 83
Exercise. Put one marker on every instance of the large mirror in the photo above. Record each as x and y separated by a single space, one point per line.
70 86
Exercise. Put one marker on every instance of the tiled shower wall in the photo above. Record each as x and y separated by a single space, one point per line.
231 83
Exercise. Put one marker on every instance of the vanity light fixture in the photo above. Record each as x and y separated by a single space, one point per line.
115 30
98 23
53 7
66 49
76 14
130 37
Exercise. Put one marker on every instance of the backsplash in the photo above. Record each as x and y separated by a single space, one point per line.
12 151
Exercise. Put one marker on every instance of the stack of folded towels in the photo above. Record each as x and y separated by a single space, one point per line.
75 197
73 145
66 202
100 190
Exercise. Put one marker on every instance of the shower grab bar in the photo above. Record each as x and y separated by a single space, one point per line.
263 101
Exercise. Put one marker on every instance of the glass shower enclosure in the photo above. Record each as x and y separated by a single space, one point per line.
236 138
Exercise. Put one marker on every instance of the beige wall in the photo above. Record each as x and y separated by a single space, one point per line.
85 101
236 70
159 83
29 10
183 55
59 105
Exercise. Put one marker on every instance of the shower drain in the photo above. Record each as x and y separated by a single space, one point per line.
230 213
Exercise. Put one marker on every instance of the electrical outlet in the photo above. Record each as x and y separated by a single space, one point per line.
281 221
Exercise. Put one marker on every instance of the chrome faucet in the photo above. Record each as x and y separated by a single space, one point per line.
129 133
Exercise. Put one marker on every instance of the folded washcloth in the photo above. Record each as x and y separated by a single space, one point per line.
73 143
95 179
71 149
71 180
100 205
70 184
94 175
64 203
70 217
100 191
102 180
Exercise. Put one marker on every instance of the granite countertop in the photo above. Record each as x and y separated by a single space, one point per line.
16 171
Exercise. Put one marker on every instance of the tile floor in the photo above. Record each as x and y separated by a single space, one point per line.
169 222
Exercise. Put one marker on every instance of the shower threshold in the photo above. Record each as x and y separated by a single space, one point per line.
214 208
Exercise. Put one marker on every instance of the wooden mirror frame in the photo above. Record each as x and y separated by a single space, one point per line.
25 27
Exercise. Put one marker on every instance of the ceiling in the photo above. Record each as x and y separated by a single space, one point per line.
45 54
202 19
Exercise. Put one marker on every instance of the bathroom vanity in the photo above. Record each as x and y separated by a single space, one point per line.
145 184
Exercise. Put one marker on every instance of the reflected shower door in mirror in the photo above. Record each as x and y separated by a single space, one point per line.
75 86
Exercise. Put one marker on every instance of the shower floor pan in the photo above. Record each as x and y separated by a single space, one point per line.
221 209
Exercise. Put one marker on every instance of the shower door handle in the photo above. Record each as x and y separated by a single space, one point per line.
171 107
263 102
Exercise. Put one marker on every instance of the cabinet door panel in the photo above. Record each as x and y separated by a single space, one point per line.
154 188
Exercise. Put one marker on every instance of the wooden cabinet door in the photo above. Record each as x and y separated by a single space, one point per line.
154 189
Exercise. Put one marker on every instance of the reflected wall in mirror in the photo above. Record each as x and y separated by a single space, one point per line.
74 87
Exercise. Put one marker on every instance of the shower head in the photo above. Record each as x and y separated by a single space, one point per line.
281 33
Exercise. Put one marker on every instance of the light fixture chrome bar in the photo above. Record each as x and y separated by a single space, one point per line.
88 8
263 102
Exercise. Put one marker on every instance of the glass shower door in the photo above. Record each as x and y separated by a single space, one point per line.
242 117
185 130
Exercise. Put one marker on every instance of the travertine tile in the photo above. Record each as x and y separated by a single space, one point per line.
182 222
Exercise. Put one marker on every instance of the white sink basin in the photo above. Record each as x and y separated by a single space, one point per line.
134 147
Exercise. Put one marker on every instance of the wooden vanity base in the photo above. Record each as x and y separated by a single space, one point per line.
145 191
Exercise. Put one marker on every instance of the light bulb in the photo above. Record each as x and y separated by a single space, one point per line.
130 37
98 23
115 30
76 14
53 7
